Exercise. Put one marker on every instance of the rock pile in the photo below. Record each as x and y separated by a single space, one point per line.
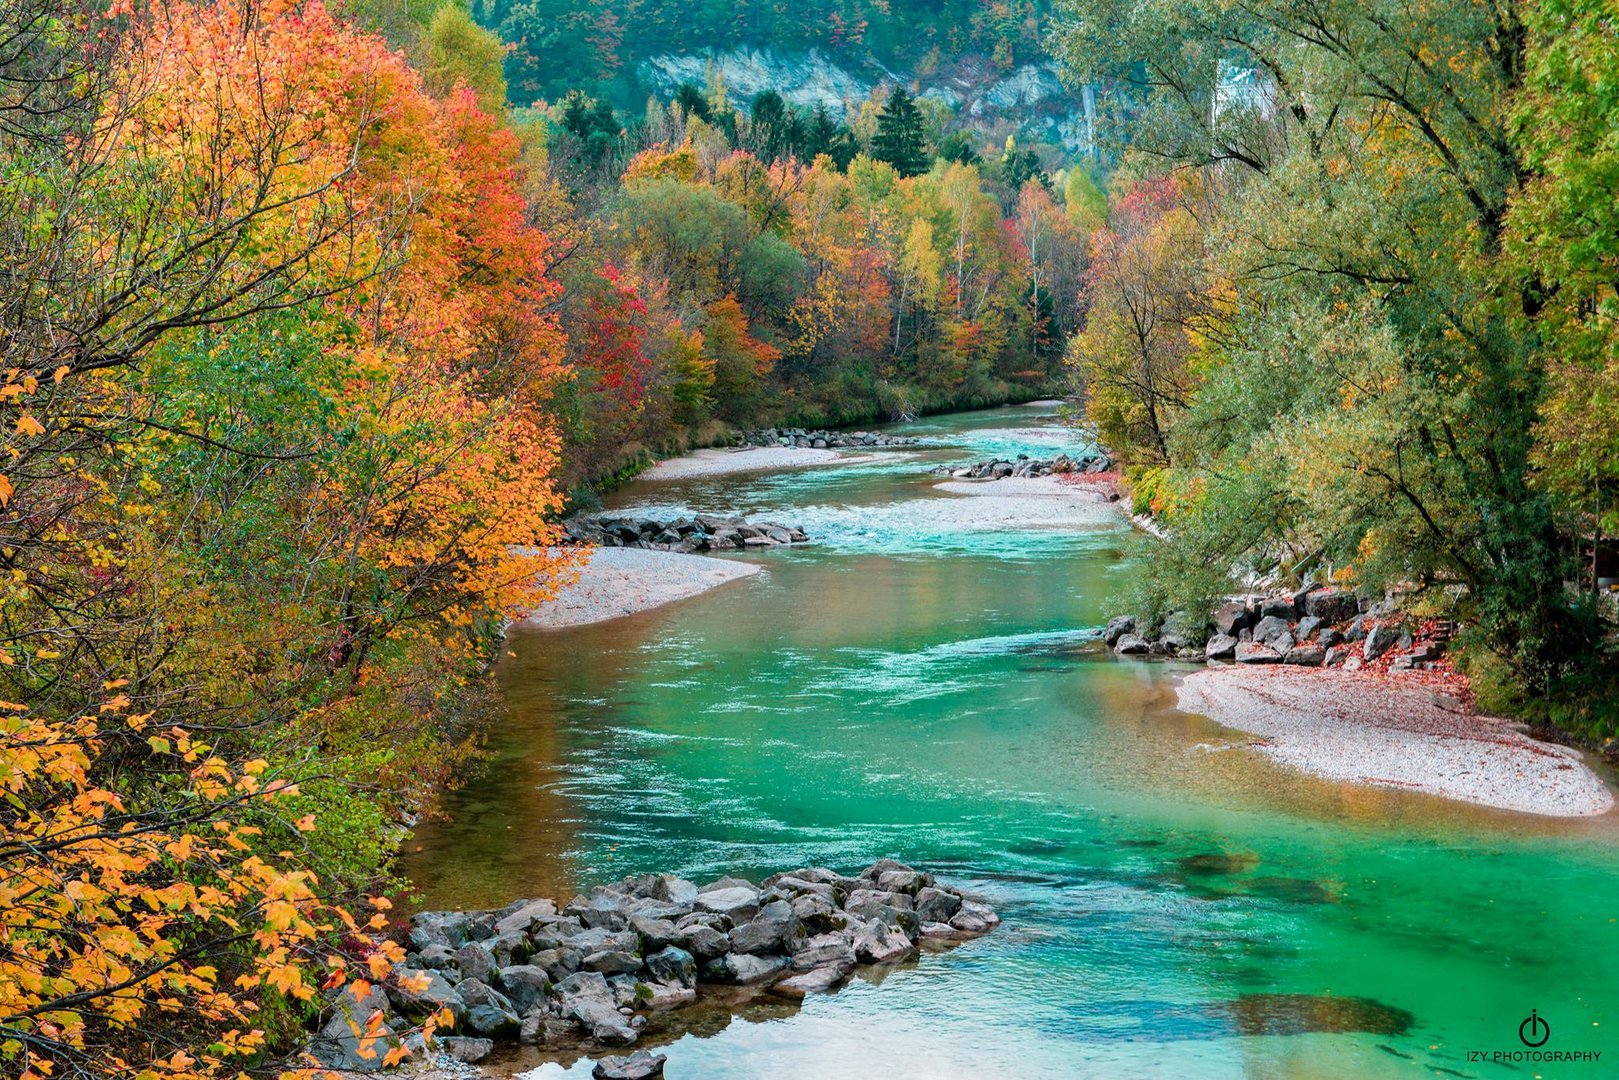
1024 465
1313 627
588 974
700 532
821 439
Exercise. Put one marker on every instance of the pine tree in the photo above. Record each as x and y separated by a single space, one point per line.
899 139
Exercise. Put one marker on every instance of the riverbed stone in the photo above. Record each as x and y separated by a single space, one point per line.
936 905
702 941
768 931
525 917
525 985
823 949
744 969
1117 627
587 998
818 915
740 902
1279 607
435 994
975 918
465 1048
1220 647
654 933
673 965
612 962
1306 626
819 980
1132 645
447 928
1306 655
878 943
641 1065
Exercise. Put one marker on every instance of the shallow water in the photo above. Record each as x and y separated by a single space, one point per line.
1175 905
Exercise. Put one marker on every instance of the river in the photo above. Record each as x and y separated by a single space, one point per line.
1174 904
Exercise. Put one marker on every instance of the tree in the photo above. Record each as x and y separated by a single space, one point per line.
460 51
900 140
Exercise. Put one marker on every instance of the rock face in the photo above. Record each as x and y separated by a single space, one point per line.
700 532
1023 465
823 440
587 974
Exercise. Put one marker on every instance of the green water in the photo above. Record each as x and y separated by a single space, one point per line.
907 687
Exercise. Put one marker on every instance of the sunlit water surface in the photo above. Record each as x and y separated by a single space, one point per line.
908 687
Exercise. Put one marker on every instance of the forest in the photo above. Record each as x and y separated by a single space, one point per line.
318 316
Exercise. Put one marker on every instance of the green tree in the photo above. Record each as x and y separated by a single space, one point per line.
461 51
900 139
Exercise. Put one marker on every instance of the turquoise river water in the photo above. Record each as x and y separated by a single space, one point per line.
916 687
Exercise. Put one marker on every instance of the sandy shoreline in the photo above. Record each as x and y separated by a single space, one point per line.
625 581
1385 732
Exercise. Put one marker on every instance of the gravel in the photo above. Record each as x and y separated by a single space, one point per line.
747 459
623 581
1368 729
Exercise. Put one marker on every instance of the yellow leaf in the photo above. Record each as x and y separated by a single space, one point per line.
29 426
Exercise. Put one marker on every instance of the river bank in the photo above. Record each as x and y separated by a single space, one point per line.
1386 732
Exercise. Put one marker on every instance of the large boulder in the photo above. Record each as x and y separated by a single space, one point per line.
427 993
446 928
1379 640
641 1065
525 915
1269 628
878 943
1232 617
673 965
525 985
1280 607
1308 654
1220 647
587 998
819 980
821 950
744 969
769 931
936 905
1252 652
739 902
1332 606
1132 645
975 918
1307 626
1117 627
474 961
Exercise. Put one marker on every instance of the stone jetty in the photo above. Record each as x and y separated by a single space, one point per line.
587 974
821 439
698 532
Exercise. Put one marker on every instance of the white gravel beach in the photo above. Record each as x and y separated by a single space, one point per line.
747 459
622 581
1377 730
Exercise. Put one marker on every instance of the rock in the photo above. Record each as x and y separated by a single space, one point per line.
1233 616
673 965
819 980
525 916
879 943
1282 642
818 915
1307 655
587 998
975 918
740 902
768 931
654 933
659 997
1279 607
1131 645
1332 606
446 928
936 905
557 963
1307 626
703 941
434 994
612 962
465 1049
821 950
744 969
1117 627
435 958
641 1065
1329 637
494 1022
525 985
1252 652
674 890
1378 641
905 881
1220 647
474 961
938 931
1269 629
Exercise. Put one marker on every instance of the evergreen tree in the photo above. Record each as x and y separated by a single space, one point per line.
899 138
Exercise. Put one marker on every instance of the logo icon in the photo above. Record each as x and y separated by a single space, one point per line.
1534 1031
